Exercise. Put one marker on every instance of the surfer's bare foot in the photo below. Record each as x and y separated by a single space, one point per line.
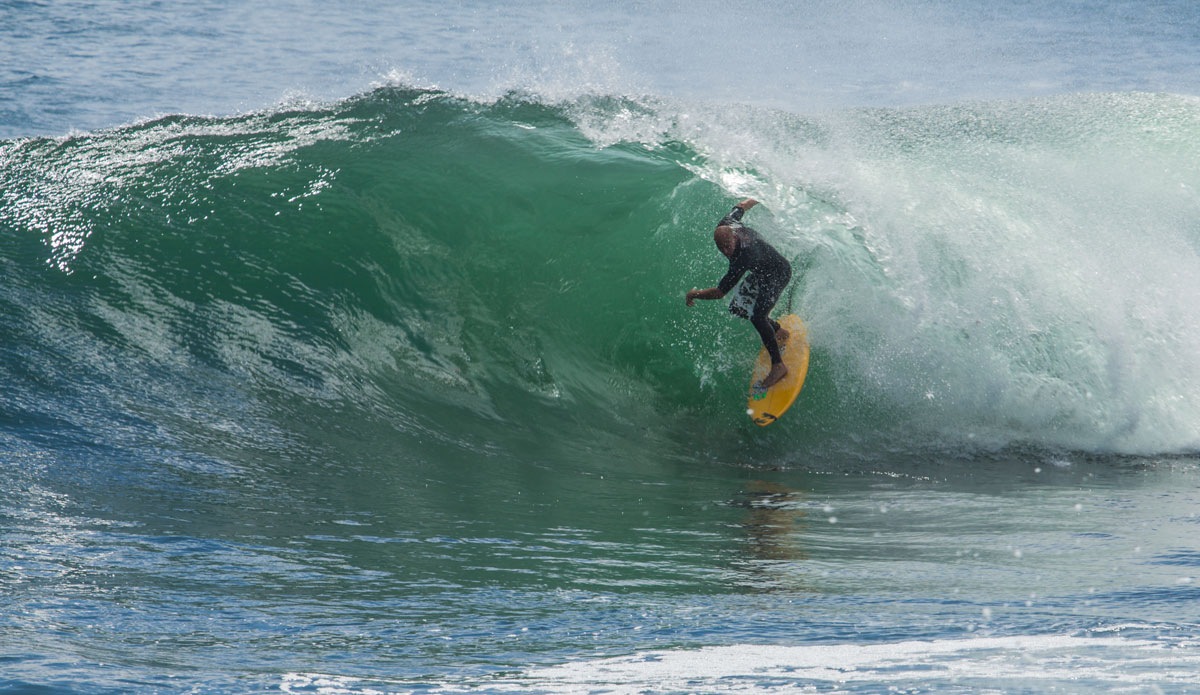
781 335
778 371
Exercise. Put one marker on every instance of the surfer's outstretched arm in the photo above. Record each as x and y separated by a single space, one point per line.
736 270
710 293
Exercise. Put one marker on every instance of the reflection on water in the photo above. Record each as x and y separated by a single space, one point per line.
774 524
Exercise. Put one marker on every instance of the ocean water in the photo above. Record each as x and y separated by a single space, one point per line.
343 349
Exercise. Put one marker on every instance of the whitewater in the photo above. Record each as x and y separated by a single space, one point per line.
369 370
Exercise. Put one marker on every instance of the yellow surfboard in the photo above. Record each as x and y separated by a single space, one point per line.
765 406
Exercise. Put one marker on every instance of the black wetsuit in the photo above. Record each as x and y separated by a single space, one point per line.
769 272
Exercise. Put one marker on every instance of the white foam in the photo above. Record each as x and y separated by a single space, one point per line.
1037 662
991 660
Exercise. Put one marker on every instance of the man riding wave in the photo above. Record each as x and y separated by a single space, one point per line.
769 272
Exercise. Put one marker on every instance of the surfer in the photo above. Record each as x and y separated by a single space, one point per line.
769 274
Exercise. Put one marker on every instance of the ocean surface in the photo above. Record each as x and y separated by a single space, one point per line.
343 348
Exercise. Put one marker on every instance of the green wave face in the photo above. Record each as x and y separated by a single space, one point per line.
412 272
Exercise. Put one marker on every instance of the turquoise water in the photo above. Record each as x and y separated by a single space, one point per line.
393 390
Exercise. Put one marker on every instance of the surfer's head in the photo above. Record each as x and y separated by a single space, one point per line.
725 240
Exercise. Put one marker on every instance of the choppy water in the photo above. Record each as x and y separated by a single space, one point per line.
394 390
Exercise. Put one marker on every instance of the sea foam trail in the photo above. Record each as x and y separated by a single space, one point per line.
986 662
982 664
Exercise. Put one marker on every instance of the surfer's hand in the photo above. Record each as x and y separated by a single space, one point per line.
747 204
691 297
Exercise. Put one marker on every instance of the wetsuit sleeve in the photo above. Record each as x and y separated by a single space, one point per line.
734 217
736 270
